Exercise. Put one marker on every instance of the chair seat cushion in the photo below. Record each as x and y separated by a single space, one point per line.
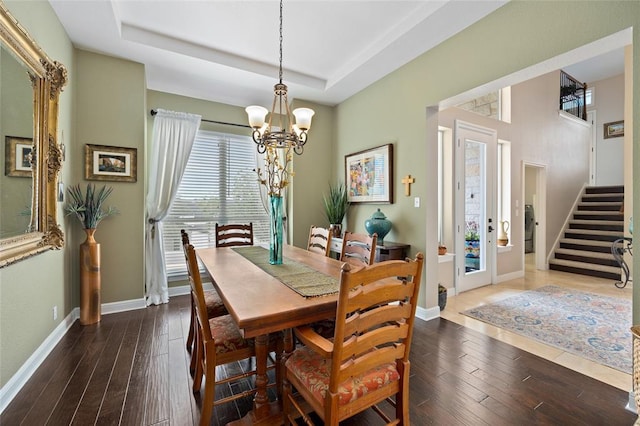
215 305
226 335
314 372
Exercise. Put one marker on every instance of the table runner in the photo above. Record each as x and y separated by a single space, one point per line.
300 278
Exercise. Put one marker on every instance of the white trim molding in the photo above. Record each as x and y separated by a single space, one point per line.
13 386
427 313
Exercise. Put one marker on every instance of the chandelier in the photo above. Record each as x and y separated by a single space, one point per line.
288 134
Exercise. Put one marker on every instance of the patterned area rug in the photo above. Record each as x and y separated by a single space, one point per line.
588 325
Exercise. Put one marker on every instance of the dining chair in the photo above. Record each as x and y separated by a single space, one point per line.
358 249
231 235
213 301
319 240
218 342
367 359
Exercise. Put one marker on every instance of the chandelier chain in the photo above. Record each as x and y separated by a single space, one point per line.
280 75
287 135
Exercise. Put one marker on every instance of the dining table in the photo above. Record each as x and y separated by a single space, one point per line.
263 299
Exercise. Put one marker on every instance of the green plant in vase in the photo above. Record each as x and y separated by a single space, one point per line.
336 205
88 208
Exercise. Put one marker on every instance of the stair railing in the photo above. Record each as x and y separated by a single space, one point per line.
573 96
565 226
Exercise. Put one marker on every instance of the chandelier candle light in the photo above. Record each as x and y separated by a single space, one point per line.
277 144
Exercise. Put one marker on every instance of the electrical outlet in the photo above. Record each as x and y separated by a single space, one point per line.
55 313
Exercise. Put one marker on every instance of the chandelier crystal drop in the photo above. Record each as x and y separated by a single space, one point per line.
288 134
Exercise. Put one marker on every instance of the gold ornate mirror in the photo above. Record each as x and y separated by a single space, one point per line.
28 220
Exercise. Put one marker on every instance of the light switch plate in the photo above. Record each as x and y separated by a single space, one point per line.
416 202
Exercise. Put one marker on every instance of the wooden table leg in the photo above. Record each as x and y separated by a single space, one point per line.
264 412
261 400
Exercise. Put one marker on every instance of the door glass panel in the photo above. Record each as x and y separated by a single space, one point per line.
475 206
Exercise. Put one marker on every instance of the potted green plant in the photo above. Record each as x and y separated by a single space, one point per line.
90 211
336 205
89 208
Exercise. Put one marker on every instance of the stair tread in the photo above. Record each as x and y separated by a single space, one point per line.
598 213
594 232
586 266
586 242
588 203
586 253
603 194
597 221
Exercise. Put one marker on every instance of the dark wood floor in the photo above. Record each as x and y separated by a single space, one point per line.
132 369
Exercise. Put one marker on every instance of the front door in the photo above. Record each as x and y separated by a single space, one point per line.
475 220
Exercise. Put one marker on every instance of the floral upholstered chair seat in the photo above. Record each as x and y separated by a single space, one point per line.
314 371
215 305
228 337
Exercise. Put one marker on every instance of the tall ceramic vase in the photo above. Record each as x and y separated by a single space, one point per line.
89 280
275 230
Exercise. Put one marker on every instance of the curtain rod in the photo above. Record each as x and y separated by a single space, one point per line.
154 112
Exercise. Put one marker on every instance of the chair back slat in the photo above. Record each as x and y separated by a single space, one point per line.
374 317
232 235
197 291
319 240
369 360
358 249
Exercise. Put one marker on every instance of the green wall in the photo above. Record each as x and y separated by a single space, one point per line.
394 109
31 288
110 110
106 103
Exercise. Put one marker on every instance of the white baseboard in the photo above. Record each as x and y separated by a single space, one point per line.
125 305
631 405
13 386
185 289
509 276
427 313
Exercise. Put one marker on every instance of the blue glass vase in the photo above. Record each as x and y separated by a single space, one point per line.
275 230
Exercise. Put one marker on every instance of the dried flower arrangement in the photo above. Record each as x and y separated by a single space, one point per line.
277 173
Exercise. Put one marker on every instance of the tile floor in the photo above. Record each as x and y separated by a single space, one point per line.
533 279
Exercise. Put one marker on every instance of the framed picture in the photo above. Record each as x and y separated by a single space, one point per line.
17 156
614 129
369 175
112 163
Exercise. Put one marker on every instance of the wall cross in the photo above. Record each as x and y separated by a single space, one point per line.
407 180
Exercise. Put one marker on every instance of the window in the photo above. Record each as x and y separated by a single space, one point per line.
590 96
495 105
504 182
219 185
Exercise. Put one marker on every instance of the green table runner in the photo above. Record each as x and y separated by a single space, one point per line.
300 278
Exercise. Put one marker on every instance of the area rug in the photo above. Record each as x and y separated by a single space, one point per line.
585 324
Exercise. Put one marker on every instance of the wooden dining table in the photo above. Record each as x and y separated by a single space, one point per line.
261 304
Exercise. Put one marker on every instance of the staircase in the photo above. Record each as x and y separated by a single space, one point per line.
586 246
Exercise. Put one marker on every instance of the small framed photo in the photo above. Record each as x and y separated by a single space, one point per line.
17 156
614 129
369 175
111 163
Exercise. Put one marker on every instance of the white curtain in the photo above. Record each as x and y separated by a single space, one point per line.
173 136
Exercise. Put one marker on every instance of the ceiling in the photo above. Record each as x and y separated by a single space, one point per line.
227 51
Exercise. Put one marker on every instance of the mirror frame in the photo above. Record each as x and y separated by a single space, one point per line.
47 79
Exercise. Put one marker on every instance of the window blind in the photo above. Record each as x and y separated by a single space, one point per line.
219 185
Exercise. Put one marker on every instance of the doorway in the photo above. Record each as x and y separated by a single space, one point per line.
475 190
534 215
